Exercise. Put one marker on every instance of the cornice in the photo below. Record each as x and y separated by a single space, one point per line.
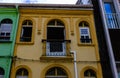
54 11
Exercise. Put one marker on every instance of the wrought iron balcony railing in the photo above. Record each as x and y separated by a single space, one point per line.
112 20
56 47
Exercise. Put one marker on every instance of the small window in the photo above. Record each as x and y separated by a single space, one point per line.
26 32
22 73
90 74
1 72
56 72
5 29
84 32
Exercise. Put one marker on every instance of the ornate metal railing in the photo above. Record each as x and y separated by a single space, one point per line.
112 20
56 47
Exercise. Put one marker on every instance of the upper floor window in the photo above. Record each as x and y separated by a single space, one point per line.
84 32
56 72
90 74
26 32
112 19
109 8
55 38
5 29
22 73
1 72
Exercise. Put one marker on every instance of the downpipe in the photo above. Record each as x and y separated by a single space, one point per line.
75 64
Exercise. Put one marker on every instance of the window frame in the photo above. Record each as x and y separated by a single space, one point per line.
22 72
92 32
6 26
89 73
55 23
83 26
85 35
22 33
20 30
56 69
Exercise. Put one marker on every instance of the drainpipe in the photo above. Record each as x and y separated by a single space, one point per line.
75 64
107 38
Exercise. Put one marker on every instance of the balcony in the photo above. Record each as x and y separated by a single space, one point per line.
112 20
56 49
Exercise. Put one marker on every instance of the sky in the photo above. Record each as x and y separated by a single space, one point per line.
41 1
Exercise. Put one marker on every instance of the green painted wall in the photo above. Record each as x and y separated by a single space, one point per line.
7 47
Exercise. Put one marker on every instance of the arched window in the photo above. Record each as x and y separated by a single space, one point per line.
22 73
5 29
26 32
90 74
2 72
55 38
56 72
84 32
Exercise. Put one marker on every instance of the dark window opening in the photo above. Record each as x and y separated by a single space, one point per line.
85 39
22 72
56 72
55 36
27 22
2 71
56 23
26 32
115 41
83 23
6 21
89 73
55 33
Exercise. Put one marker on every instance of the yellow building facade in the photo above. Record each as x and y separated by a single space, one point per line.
48 34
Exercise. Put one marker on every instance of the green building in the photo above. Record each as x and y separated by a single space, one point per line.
8 27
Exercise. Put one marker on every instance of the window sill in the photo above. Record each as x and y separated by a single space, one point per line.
57 40
25 43
53 58
86 44
5 41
